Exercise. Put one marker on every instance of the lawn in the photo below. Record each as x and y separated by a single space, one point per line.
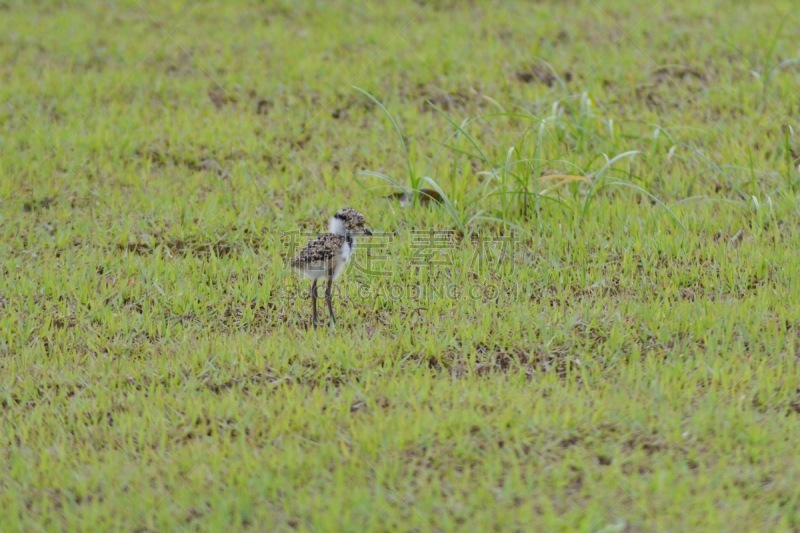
595 328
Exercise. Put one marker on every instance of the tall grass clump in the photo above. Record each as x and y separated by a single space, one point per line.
560 159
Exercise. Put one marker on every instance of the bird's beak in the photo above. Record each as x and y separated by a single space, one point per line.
367 232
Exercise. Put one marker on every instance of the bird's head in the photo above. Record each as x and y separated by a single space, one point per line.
348 221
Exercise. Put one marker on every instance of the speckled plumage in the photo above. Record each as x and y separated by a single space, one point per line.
353 219
325 256
320 249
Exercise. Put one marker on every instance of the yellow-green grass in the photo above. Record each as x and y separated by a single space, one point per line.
591 359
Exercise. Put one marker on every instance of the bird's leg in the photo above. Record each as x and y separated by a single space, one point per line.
328 297
314 301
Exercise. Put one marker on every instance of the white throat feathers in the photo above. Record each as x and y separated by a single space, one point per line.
336 226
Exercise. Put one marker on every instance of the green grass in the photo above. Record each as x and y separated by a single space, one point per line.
620 353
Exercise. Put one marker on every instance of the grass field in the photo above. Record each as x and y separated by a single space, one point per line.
614 349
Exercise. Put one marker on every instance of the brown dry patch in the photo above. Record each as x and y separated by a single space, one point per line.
794 407
651 98
195 159
182 247
541 74
263 106
263 315
647 442
220 97
38 204
425 197
244 382
432 95
196 513
674 74
497 359
203 426
198 245
347 103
